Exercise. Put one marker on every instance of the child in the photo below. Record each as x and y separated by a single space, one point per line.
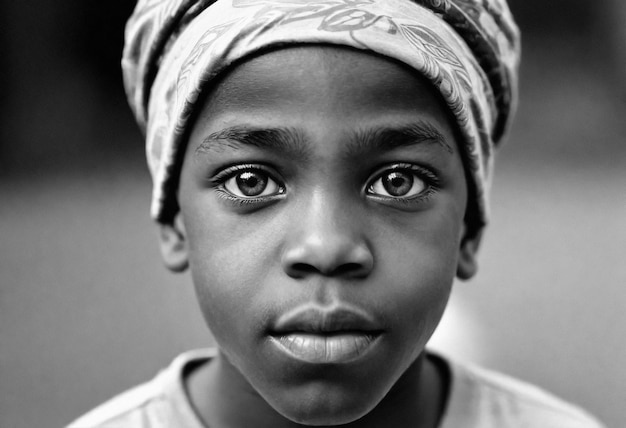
321 168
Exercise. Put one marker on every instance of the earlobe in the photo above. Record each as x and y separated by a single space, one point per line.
467 264
174 248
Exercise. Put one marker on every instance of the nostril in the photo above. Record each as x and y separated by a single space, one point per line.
336 256
303 268
343 270
348 269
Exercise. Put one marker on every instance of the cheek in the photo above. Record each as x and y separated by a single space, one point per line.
418 265
229 260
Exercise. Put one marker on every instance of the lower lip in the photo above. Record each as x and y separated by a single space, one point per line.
325 349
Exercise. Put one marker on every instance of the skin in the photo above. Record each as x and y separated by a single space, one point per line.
326 231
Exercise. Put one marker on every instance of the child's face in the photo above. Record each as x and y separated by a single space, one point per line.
322 200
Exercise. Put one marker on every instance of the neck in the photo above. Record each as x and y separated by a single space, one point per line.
222 397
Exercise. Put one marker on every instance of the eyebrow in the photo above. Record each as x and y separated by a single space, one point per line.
294 143
385 139
289 141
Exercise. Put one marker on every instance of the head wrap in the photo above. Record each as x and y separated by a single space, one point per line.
468 49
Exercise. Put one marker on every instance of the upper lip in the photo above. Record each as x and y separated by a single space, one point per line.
326 320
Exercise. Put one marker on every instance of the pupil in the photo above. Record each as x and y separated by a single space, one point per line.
398 183
251 184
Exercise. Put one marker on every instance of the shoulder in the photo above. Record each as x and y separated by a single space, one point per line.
492 399
124 410
158 403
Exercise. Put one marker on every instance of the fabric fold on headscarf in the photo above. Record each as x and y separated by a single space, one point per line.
468 49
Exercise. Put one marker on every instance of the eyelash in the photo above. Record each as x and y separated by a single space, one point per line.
218 182
426 175
430 179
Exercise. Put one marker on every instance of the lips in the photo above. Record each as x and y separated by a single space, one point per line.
335 335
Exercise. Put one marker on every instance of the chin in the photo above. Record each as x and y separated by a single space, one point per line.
325 408
315 419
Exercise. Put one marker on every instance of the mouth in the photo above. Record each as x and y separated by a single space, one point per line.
317 335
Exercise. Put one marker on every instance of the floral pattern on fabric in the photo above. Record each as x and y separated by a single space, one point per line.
338 15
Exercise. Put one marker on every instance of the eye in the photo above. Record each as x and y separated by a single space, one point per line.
252 183
398 183
406 184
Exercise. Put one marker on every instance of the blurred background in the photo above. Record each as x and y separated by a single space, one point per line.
87 310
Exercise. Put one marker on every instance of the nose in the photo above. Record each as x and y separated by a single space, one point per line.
325 238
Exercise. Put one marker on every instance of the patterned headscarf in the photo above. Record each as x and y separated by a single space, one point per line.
468 49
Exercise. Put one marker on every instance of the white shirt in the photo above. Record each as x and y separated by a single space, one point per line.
478 398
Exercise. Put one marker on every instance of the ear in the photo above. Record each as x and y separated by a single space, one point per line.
467 264
174 245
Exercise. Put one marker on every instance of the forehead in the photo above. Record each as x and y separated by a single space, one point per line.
324 81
